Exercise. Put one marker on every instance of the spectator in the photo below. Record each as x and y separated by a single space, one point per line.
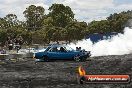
10 44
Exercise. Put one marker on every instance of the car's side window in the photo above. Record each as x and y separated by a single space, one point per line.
62 49
54 49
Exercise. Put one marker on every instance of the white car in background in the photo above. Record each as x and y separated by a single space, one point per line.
41 50
30 50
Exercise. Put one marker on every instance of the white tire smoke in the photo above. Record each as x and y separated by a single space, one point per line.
117 45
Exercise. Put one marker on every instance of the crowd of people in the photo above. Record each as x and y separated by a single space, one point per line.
14 43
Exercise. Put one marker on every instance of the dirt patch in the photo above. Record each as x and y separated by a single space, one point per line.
62 74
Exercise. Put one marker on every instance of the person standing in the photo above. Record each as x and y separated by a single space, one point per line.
10 43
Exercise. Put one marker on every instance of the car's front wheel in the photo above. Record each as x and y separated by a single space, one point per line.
77 58
45 58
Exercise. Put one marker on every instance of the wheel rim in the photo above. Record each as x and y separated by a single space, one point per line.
76 58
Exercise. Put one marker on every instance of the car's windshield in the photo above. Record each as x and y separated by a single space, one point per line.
47 48
68 48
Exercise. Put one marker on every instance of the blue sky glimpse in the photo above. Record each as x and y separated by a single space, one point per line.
85 10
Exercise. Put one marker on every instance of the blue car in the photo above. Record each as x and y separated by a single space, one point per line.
61 52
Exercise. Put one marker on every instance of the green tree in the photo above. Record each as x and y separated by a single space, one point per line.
76 30
118 21
3 37
61 15
3 23
49 33
48 22
11 20
39 37
56 36
34 17
64 35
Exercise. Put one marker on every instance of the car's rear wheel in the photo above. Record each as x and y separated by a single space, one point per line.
45 58
77 58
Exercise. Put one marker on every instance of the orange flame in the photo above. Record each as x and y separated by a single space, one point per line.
81 71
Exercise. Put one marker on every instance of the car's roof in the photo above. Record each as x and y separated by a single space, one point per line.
53 45
57 45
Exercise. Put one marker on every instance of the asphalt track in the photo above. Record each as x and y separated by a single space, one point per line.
62 74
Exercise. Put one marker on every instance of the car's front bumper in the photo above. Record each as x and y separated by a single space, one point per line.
85 54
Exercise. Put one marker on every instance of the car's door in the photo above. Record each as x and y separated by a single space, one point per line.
64 54
53 53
